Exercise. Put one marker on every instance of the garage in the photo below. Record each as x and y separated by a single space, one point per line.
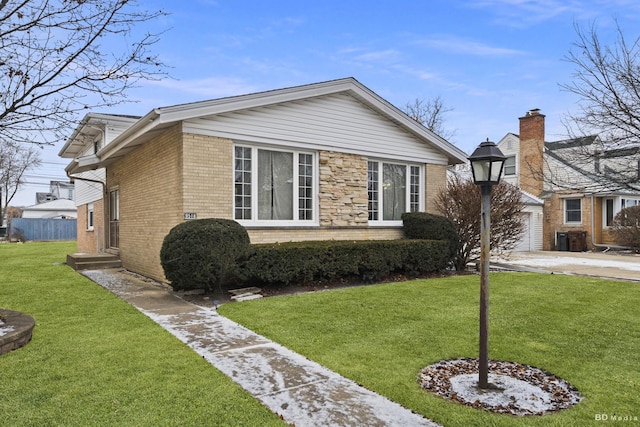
531 238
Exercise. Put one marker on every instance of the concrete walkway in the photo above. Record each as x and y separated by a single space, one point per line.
302 392
614 265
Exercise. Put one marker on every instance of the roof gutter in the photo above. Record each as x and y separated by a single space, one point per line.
139 128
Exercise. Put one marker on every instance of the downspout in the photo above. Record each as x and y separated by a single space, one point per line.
593 227
104 209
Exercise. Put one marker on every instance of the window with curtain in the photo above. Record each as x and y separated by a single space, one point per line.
272 185
275 185
393 189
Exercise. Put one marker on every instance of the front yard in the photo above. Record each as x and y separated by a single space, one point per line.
95 360
586 331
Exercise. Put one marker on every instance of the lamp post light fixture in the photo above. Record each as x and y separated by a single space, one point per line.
487 162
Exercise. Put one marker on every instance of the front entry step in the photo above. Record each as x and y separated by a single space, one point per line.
93 261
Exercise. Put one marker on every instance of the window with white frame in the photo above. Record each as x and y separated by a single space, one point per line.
573 211
627 203
393 188
90 216
510 166
608 213
272 186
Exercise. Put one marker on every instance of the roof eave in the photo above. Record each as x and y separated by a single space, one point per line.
173 114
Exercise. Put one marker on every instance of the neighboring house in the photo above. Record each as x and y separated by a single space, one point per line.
63 208
531 238
580 200
57 190
330 160
532 214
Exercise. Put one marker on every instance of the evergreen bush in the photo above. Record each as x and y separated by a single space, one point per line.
422 225
204 254
371 260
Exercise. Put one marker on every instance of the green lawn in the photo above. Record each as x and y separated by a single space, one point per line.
584 330
95 360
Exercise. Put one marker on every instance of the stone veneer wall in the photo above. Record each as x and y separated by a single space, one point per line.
343 190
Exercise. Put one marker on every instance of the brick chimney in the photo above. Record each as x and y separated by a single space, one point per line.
531 149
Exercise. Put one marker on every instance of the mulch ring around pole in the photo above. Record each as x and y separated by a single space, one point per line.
514 388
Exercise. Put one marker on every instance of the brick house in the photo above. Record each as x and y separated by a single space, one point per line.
330 160
579 200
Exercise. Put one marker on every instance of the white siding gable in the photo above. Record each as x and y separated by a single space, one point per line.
336 122
87 191
510 146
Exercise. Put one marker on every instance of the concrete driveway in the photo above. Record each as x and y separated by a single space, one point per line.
614 265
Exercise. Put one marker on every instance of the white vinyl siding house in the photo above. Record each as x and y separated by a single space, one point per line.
531 238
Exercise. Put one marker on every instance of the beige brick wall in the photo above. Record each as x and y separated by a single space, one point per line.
180 173
91 241
435 181
208 176
554 220
281 235
150 182
343 190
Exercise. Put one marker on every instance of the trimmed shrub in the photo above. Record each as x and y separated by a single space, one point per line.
371 260
422 225
204 253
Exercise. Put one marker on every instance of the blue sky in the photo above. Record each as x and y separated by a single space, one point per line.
490 61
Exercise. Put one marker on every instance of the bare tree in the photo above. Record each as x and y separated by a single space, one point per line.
626 227
607 82
15 160
60 58
430 114
460 202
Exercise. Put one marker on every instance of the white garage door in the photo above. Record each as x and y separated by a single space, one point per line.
525 243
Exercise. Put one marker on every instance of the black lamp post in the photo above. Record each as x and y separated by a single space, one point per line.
486 165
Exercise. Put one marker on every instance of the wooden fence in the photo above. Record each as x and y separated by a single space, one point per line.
43 229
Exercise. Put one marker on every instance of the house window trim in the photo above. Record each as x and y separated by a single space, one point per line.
565 211
515 166
255 222
380 222
614 210
624 204
90 216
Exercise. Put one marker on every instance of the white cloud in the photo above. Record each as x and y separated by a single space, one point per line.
525 13
457 45
207 88
378 55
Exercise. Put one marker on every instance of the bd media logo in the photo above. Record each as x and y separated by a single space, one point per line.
614 417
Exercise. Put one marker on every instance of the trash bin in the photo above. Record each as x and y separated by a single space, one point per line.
563 241
577 241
